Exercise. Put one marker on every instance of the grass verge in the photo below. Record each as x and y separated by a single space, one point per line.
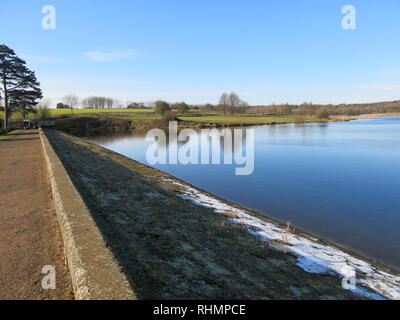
10 135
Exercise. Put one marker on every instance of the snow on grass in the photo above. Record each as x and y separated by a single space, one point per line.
312 256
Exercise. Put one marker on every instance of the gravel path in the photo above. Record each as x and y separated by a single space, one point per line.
29 234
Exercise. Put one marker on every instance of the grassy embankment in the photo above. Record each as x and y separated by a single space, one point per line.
171 248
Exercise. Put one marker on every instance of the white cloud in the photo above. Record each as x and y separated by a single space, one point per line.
114 55
380 86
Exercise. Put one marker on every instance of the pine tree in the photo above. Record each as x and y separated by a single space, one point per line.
20 88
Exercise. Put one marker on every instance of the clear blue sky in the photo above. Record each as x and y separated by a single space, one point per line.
267 51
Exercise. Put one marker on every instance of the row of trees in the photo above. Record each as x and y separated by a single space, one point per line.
229 103
71 101
302 110
99 102
325 111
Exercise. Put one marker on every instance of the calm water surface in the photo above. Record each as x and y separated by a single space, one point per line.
339 181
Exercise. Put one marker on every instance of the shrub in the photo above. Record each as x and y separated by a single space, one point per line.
169 116
181 107
61 105
43 112
135 105
162 107
322 114
207 107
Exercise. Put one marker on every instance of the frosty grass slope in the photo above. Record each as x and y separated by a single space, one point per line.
311 256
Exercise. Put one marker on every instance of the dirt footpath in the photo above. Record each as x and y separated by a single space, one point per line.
29 234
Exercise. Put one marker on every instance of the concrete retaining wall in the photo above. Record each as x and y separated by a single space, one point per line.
95 273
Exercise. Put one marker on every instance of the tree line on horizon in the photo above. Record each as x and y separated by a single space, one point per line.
20 92
327 110
231 104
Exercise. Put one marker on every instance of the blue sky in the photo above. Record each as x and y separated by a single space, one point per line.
268 51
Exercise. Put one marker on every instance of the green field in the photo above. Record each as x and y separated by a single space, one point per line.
60 112
219 118
87 112
197 117
244 118
128 114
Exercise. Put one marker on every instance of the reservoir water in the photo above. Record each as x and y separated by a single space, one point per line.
338 181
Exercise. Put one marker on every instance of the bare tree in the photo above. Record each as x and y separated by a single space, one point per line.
71 100
109 103
43 109
119 104
223 102
95 102
87 103
231 102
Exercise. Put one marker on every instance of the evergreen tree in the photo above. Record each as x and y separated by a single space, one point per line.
20 89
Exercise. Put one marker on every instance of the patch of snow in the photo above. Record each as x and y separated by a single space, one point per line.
365 293
109 196
154 195
311 256
105 198
297 292
311 266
